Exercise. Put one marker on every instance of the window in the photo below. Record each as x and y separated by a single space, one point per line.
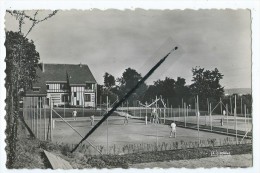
77 102
87 98
36 89
88 86
48 86
75 94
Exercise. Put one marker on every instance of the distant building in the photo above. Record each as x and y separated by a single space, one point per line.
65 84
239 91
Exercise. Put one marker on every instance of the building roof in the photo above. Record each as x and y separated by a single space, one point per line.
74 74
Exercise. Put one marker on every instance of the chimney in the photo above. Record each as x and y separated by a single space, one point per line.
43 67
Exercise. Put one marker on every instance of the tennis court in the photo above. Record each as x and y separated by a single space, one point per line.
114 133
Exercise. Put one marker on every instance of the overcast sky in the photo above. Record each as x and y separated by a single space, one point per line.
112 40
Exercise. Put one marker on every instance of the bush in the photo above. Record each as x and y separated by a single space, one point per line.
97 163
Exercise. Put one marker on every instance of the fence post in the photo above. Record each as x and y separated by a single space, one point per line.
198 118
208 105
127 108
134 107
179 113
172 114
235 114
37 122
107 125
164 112
210 114
231 106
34 128
40 117
100 102
187 113
221 110
184 114
146 111
64 106
140 110
51 120
83 104
45 136
227 117
245 118
241 111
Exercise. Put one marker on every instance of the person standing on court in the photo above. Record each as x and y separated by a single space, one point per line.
126 119
173 129
92 120
74 114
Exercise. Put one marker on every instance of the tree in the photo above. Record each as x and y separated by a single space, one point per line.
206 84
170 90
129 79
21 63
109 80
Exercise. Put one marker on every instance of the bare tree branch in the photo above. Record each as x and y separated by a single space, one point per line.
33 24
20 15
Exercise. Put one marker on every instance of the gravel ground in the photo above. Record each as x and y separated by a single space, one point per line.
244 160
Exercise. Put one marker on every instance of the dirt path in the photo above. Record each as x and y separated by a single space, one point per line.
244 160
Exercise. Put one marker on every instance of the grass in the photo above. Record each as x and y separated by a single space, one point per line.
152 147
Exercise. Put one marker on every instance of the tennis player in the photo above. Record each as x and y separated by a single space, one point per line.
173 129
74 114
92 120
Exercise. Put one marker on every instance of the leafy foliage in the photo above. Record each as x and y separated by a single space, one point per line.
129 79
206 84
109 80
172 90
21 63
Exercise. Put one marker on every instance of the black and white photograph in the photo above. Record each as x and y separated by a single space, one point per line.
134 88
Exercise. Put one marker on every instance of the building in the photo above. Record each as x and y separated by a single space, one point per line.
65 84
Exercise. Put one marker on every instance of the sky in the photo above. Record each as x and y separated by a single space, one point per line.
113 40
